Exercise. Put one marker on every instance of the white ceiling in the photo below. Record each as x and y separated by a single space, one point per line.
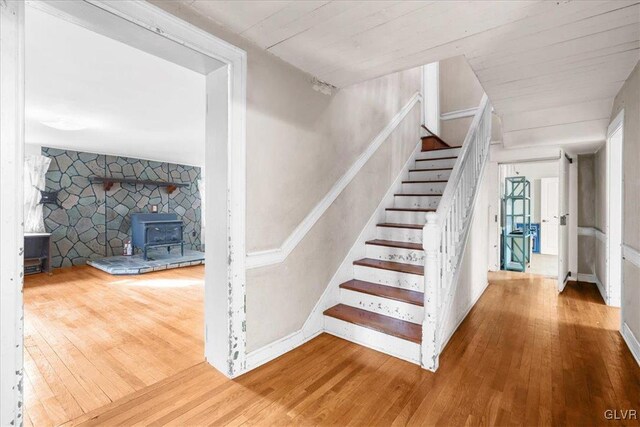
550 68
131 102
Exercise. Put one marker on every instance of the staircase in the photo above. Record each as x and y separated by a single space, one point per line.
401 294
382 307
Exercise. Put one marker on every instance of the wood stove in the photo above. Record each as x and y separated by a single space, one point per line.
154 230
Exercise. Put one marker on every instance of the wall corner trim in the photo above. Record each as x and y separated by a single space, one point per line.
632 342
278 255
277 348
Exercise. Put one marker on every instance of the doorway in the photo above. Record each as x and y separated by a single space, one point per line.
536 224
224 288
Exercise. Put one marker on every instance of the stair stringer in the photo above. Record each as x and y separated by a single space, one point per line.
331 295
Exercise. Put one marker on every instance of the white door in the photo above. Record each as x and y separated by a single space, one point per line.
549 199
563 230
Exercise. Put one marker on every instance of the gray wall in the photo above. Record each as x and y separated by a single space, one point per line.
459 90
629 98
600 192
299 143
586 213
592 214
92 223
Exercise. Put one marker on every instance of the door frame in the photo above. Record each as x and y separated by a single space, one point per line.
614 175
507 160
225 276
564 211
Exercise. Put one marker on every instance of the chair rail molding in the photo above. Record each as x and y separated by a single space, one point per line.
278 255
459 114
631 255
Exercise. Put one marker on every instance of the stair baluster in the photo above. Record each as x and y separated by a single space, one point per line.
446 230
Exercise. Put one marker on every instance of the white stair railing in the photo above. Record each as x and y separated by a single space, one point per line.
446 230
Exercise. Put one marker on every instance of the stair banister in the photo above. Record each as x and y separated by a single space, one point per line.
445 232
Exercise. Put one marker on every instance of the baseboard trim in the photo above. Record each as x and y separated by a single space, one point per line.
277 348
632 342
592 278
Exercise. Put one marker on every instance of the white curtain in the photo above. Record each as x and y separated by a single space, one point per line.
35 168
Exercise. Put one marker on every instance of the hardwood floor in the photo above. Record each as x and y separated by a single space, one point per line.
524 356
92 338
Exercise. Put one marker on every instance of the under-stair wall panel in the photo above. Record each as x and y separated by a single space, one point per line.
473 275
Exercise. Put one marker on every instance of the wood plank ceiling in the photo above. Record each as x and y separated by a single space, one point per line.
550 68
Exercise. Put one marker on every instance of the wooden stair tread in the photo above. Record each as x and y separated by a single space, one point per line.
433 135
395 225
391 266
389 292
424 182
433 169
394 244
412 209
441 148
385 324
440 158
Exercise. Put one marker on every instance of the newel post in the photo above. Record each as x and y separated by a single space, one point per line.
431 244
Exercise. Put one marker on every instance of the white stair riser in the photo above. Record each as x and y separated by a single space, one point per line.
423 202
413 282
406 217
385 306
379 341
437 154
429 175
386 253
423 188
399 234
435 163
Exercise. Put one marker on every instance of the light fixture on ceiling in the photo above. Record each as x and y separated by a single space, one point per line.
65 123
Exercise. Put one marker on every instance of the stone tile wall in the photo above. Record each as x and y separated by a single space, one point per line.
92 224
